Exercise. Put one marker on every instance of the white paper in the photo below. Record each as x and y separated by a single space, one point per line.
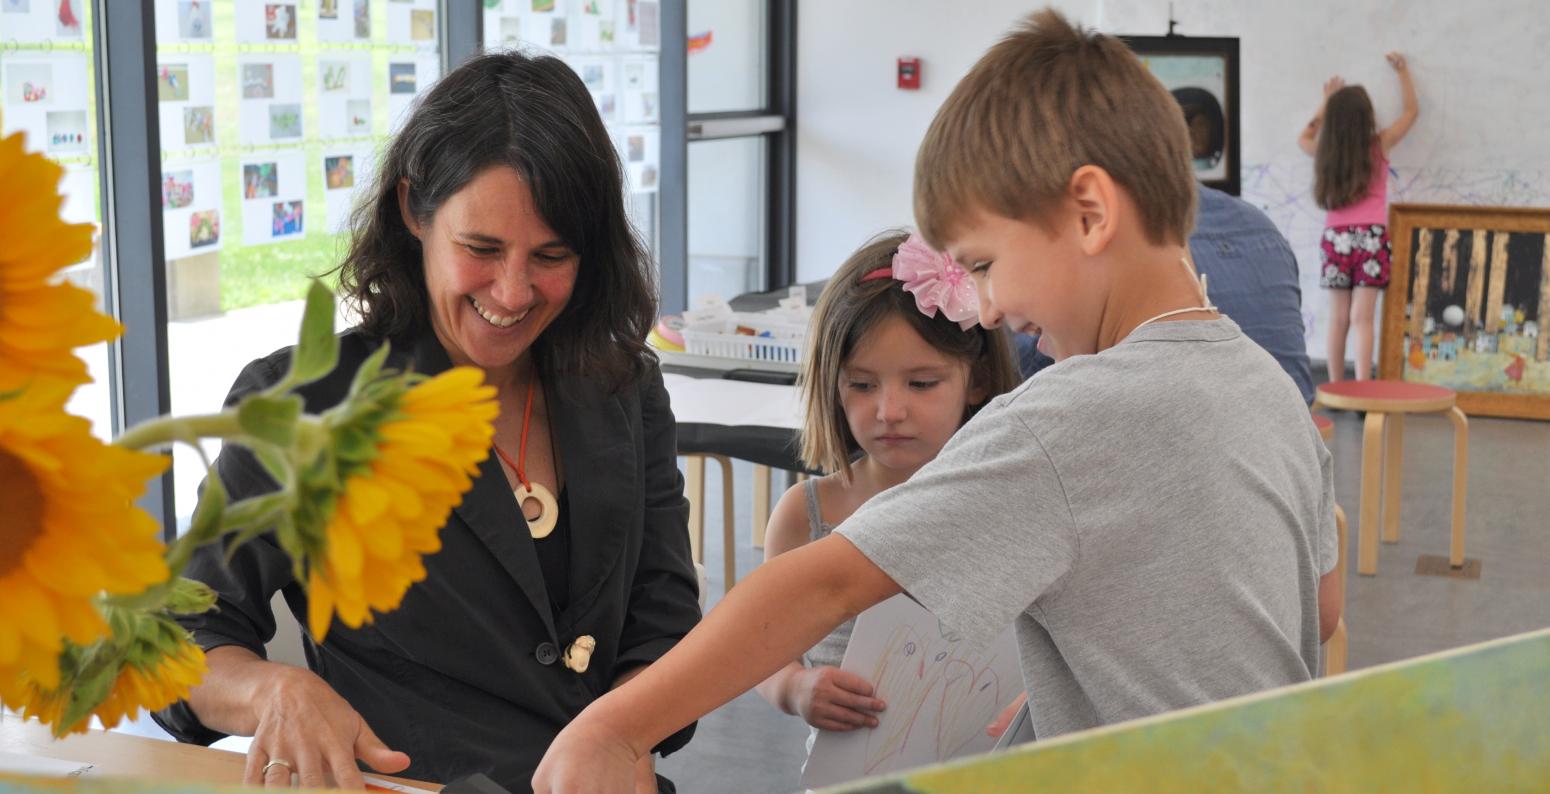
408 77
185 21
377 782
185 89
412 24
37 766
268 21
344 20
344 94
345 171
640 148
38 21
941 694
191 206
45 97
714 401
270 98
274 190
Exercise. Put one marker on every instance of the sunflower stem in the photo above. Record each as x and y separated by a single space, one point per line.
165 430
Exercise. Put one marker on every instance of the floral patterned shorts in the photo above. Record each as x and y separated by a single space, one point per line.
1355 256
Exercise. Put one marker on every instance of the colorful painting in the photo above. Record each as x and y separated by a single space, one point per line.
260 180
177 189
339 172
258 81
66 132
285 121
280 21
422 24
287 219
204 228
1471 719
1468 306
401 79
172 83
198 124
336 75
194 19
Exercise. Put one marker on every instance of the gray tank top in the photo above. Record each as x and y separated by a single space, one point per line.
830 650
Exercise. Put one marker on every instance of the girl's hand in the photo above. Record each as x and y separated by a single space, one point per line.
590 760
1397 61
307 729
831 699
1335 83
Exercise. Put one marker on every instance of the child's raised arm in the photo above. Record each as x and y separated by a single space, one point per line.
766 621
827 698
1309 139
1394 133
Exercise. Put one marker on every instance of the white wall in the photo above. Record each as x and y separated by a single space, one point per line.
1481 138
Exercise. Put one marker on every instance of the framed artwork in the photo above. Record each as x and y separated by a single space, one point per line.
1468 306
1202 74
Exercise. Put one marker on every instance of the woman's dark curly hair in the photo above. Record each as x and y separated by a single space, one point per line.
533 115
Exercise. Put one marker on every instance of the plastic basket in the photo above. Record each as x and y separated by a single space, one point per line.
773 341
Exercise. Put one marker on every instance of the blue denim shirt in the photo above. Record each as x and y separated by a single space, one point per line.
1252 276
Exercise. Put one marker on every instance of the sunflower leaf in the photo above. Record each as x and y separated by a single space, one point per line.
271 419
207 512
370 369
190 597
90 688
317 351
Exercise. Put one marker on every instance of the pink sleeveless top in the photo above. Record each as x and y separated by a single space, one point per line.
1374 207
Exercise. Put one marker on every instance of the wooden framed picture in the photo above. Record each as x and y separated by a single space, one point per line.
1202 75
1468 306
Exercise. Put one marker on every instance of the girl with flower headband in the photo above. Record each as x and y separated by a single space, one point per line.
897 363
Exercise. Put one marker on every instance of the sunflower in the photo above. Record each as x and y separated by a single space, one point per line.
41 322
71 533
392 507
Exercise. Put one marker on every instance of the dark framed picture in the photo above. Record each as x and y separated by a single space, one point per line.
1202 74
1468 306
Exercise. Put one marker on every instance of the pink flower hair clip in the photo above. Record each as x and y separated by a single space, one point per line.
938 283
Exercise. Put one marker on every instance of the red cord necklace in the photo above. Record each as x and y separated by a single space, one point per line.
548 510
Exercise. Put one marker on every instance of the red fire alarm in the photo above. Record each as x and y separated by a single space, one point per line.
909 73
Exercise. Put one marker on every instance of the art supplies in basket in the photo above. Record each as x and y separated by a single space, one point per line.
713 329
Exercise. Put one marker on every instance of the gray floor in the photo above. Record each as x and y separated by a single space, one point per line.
748 746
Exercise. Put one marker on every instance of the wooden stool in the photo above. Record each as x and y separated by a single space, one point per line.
694 488
1335 649
1386 403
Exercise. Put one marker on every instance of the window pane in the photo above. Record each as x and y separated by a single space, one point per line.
727 200
272 115
728 55
46 74
613 46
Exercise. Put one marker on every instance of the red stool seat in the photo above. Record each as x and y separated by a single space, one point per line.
1388 396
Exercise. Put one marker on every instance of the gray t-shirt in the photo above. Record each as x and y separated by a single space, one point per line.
1155 518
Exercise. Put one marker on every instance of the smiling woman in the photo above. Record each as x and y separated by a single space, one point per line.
494 235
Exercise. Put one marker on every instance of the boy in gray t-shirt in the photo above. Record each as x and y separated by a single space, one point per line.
1154 511
1158 546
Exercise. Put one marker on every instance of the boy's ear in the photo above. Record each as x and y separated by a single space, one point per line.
1096 199
410 222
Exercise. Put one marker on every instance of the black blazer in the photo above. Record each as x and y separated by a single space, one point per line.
464 675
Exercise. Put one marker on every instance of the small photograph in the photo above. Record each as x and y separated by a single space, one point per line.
258 81
29 83
358 116
422 25
635 146
67 23
339 172
172 82
280 21
650 25
194 19
177 189
204 228
401 78
557 32
66 131
198 124
543 6
605 31
287 219
606 106
285 121
15 7
648 176
592 8
511 31
634 75
648 104
328 9
592 75
336 75
260 180
363 19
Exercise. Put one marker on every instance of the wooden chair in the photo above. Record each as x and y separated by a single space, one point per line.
694 489
1386 403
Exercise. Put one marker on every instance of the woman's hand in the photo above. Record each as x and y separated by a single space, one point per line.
1336 83
832 699
585 760
318 736
1397 61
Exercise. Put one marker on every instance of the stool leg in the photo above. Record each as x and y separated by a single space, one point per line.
694 488
1393 470
1335 651
761 503
1460 484
728 524
1341 529
1372 476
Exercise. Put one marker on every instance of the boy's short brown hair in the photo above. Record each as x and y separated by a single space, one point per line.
1044 101
847 310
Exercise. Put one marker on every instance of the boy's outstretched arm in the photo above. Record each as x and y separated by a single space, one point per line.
778 612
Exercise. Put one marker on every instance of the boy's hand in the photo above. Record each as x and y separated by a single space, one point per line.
1004 719
1397 61
831 699
1336 83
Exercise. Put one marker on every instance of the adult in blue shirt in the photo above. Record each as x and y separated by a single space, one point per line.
1252 278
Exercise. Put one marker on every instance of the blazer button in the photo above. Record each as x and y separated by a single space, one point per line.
546 653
